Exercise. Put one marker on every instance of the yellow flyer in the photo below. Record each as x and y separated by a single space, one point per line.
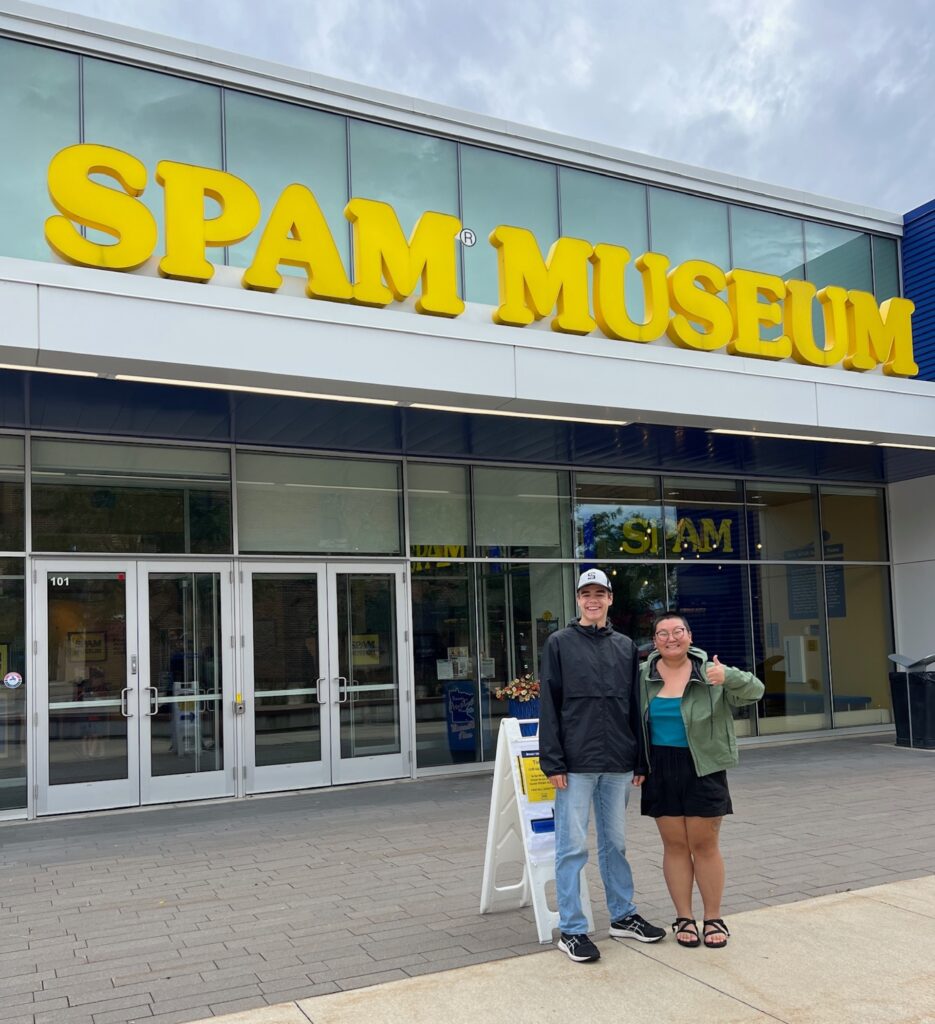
536 786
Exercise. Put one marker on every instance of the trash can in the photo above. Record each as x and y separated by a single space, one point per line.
913 693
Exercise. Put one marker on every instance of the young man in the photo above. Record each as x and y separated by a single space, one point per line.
591 748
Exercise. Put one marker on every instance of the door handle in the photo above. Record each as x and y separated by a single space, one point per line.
342 689
322 699
153 701
125 703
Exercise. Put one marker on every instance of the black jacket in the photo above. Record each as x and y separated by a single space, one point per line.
589 702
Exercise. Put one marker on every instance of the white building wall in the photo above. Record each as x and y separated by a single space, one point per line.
912 532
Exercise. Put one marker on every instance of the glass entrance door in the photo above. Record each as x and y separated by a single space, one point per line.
133 671
323 671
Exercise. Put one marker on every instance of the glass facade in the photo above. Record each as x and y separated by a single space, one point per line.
271 143
789 576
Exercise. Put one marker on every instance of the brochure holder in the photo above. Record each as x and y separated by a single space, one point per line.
521 832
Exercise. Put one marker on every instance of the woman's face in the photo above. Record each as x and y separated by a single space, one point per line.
673 638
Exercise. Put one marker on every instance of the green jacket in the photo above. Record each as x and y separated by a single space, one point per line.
706 712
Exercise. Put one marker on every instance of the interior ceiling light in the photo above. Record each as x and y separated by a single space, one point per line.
915 447
790 437
521 415
281 392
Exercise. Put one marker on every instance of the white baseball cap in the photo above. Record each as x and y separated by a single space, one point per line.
594 577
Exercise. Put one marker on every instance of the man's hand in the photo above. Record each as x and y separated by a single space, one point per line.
559 781
638 780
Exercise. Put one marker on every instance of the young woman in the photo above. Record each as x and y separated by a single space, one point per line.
688 730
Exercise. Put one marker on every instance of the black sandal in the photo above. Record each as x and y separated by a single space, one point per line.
686 924
717 927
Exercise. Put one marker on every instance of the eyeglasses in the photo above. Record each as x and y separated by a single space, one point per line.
676 634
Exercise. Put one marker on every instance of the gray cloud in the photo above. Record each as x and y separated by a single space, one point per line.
828 96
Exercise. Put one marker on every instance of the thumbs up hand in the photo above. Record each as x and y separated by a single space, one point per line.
715 672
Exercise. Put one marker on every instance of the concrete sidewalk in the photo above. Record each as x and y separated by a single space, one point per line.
172 914
861 956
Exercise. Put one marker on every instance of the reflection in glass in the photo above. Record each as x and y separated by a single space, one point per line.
87 671
12 694
287 672
767 242
272 144
715 600
439 511
703 519
860 633
836 256
498 188
368 664
90 496
12 487
853 523
782 520
521 605
155 117
524 513
639 595
309 504
186 713
688 227
791 647
618 516
411 172
38 117
448 722
885 268
602 209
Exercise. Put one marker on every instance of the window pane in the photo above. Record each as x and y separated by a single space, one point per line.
639 595
270 145
439 511
715 601
155 117
853 524
130 498
602 209
496 189
791 647
13 693
411 172
523 513
327 506
767 242
688 228
860 632
885 268
12 487
521 605
618 517
38 117
783 521
703 519
837 256
451 703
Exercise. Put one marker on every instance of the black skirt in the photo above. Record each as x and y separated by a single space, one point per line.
673 789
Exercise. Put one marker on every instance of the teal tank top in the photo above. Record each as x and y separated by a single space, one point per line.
665 722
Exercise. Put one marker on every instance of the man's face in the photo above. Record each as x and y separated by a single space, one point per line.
593 604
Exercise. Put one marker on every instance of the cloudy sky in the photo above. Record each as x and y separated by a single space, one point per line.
835 97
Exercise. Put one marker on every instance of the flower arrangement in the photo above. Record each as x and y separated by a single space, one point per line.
524 688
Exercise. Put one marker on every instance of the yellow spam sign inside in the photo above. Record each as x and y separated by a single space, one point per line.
580 286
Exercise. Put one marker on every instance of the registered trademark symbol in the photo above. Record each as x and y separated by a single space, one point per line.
467 237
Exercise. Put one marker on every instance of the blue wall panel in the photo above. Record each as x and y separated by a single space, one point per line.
919 283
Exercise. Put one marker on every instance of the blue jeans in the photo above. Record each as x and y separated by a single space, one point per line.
609 792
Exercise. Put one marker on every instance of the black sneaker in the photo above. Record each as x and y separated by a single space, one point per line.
635 927
578 948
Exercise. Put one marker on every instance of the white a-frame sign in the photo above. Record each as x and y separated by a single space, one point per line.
521 833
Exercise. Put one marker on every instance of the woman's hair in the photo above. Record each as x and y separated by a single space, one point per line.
670 615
